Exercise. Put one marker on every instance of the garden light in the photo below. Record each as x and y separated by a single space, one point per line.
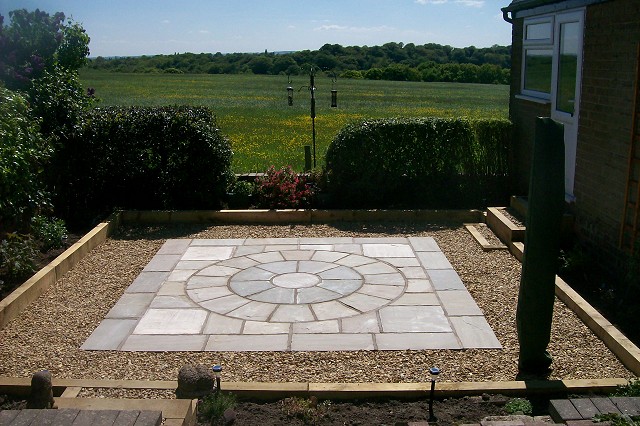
217 372
433 371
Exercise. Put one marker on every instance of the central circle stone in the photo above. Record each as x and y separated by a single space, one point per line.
296 280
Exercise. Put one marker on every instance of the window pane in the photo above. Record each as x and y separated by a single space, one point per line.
540 31
567 67
537 70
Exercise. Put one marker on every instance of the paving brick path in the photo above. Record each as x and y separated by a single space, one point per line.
69 416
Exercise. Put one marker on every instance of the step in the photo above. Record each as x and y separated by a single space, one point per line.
581 409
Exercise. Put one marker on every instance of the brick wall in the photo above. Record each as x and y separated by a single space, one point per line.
612 33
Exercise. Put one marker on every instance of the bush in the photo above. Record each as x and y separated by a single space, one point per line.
23 155
283 189
17 257
49 232
146 158
419 162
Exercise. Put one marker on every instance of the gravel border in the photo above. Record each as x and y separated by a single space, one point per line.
49 332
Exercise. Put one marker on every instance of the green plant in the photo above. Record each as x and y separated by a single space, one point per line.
242 188
17 256
23 156
212 407
616 419
145 158
426 162
49 232
632 388
283 188
307 410
519 405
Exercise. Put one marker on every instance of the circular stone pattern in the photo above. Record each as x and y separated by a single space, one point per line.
296 282
292 286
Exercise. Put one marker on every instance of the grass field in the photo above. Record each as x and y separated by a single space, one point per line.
252 110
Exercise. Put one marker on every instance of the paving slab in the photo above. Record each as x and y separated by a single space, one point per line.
295 294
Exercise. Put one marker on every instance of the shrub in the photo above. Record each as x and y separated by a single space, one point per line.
49 232
519 406
23 155
146 158
283 188
17 257
419 162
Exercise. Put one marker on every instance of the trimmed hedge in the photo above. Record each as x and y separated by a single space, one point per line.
420 163
144 158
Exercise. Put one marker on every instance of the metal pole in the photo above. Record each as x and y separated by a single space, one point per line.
312 88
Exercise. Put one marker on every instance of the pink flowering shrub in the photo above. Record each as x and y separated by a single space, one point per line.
283 189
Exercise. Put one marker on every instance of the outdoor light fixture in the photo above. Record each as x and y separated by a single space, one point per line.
433 371
217 372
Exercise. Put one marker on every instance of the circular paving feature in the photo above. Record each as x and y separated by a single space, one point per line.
295 280
260 287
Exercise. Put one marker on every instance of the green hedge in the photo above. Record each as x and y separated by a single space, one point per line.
419 163
144 158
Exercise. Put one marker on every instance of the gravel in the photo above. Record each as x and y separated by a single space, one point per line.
48 333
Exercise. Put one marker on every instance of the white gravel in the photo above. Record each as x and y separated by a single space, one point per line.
49 333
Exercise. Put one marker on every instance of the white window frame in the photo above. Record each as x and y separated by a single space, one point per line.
563 18
537 44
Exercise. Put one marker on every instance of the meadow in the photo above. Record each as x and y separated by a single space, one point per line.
252 109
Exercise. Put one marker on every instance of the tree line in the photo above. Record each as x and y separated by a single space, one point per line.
391 61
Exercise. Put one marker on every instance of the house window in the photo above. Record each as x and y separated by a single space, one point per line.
538 57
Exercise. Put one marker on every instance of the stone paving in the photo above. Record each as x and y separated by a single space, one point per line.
295 294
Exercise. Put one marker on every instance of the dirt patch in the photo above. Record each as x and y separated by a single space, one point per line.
297 411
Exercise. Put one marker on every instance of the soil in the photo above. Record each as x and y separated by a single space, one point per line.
297 411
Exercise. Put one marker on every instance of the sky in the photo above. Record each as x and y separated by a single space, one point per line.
151 27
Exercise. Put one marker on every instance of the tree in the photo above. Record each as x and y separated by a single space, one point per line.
261 64
35 42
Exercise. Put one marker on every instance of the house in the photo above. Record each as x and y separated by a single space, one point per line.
577 62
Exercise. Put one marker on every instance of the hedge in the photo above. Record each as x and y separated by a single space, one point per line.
144 158
419 163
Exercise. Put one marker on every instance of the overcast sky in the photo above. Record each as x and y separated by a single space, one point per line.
148 27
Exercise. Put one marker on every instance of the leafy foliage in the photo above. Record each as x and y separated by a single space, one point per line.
23 155
519 405
145 158
391 61
422 162
17 255
630 389
49 232
283 189
35 42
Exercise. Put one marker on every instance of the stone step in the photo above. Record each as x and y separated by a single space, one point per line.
579 410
